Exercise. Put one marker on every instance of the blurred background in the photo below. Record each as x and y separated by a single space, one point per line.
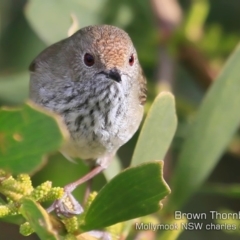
182 46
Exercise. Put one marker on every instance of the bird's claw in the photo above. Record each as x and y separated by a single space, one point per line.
66 206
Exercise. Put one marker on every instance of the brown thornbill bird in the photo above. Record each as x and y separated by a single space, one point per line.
94 81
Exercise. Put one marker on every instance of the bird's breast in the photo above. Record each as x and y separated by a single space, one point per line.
102 122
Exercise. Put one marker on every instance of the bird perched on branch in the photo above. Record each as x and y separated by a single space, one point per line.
94 81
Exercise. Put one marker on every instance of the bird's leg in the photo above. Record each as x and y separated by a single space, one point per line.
95 171
88 188
68 205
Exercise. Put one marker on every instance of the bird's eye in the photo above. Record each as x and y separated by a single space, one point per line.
131 60
89 59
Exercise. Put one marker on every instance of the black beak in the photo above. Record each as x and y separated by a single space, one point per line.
112 74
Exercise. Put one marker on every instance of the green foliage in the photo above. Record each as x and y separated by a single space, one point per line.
17 94
231 191
133 188
215 124
22 151
113 169
38 219
134 195
230 221
158 130
203 134
86 13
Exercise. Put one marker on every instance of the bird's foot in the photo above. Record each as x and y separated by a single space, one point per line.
66 206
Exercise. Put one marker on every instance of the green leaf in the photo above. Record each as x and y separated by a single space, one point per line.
227 190
216 122
25 136
38 219
173 234
136 192
14 88
86 12
157 131
113 169
230 220
196 19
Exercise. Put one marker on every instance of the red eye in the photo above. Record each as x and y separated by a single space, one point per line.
88 59
131 60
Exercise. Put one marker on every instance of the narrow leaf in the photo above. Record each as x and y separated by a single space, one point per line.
157 131
38 219
216 122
